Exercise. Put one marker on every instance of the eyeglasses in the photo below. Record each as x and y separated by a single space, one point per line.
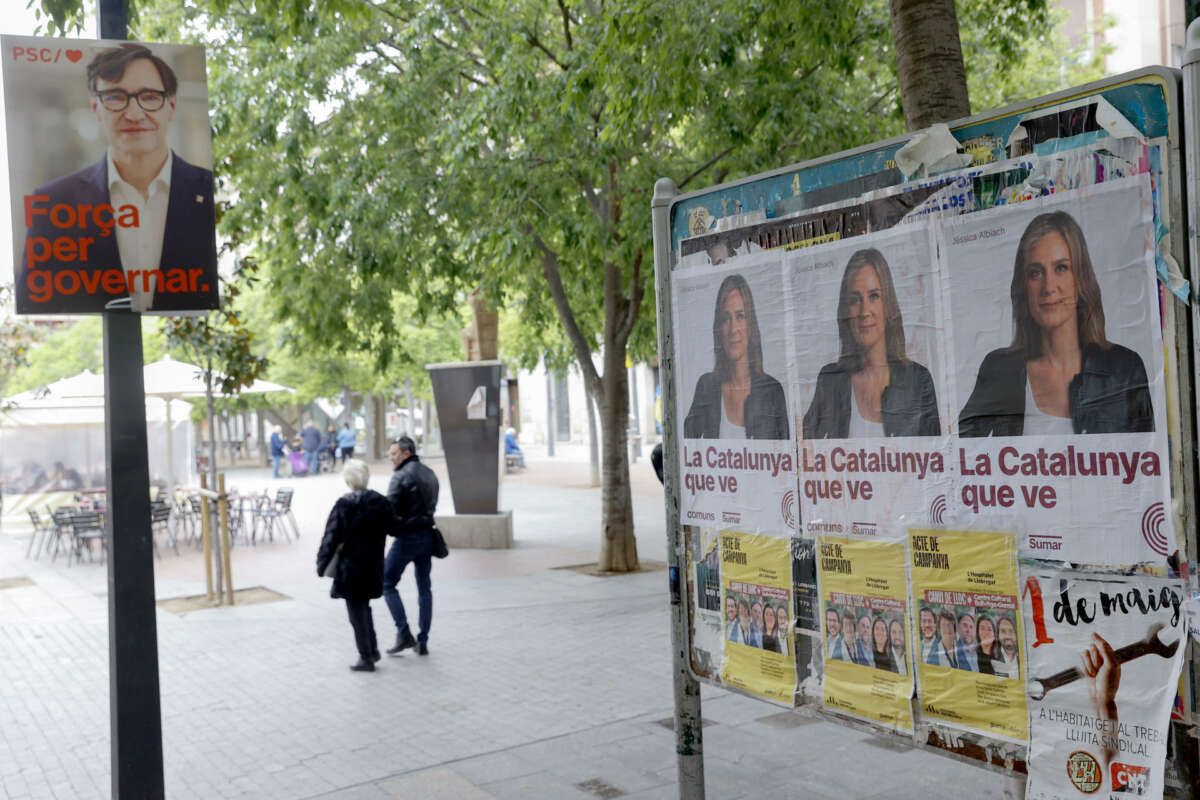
118 99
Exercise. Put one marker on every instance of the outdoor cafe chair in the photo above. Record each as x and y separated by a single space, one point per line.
278 510
184 520
241 523
63 529
42 530
160 522
194 515
87 527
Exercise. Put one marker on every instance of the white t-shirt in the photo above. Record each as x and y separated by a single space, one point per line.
728 429
861 428
1039 423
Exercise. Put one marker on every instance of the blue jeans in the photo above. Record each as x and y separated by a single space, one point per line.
393 568
276 459
311 455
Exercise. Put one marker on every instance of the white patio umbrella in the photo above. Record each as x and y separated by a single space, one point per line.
173 380
169 378
79 401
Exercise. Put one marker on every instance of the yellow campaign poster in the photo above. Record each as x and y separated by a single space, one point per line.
756 575
965 591
864 591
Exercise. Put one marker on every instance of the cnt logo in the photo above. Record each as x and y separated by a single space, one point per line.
787 507
1130 779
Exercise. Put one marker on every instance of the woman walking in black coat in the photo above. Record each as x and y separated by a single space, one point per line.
354 534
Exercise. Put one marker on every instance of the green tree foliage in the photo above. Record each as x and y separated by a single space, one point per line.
1040 61
17 339
390 148
71 348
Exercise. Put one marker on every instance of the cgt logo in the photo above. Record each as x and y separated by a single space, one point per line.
45 55
1130 779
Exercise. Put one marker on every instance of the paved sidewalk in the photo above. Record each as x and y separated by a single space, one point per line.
542 682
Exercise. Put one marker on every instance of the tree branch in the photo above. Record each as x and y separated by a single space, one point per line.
636 291
472 79
533 40
595 200
705 166
566 20
379 52
579 343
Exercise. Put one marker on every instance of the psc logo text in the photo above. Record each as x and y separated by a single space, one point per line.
44 55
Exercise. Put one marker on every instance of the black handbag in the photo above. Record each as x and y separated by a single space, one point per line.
439 545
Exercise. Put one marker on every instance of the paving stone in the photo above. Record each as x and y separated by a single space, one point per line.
539 678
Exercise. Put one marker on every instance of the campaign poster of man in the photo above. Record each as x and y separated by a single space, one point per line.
1057 354
110 169
737 456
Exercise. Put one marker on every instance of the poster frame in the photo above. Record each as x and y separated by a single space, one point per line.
760 197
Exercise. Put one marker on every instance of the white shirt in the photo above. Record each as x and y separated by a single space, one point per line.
861 428
1038 423
728 429
141 247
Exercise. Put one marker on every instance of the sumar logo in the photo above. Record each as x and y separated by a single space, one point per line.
787 508
1130 778
1084 771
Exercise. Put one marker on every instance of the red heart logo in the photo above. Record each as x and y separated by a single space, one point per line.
74 55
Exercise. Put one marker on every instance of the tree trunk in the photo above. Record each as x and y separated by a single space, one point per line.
264 456
412 412
550 433
933 80
593 437
214 527
618 547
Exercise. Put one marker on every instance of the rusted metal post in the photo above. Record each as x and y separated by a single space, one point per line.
689 739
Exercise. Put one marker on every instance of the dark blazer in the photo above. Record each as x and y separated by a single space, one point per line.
1109 395
908 406
188 239
359 523
765 410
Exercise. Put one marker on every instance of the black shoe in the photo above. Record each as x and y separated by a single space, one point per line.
422 649
363 665
403 642
375 657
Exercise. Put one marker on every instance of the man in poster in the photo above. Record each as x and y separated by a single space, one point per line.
835 645
137 223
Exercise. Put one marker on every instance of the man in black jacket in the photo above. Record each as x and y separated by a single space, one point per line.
413 494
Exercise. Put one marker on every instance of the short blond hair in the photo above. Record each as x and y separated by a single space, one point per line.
356 474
